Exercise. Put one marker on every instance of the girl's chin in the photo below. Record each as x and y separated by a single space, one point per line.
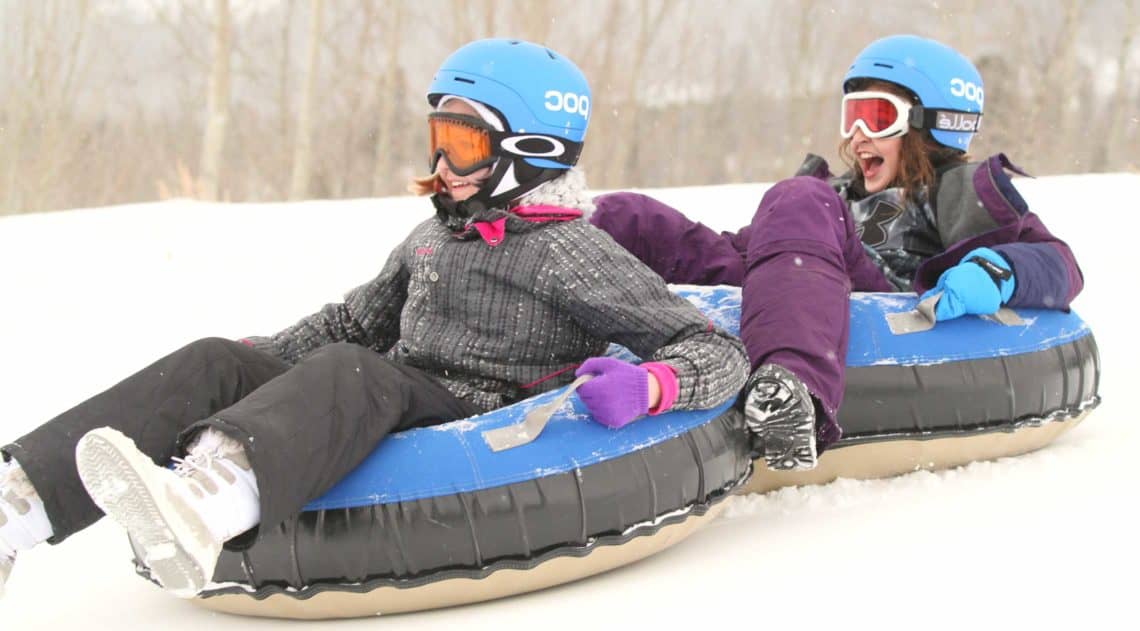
874 180
461 196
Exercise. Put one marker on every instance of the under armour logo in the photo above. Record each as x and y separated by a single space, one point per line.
873 230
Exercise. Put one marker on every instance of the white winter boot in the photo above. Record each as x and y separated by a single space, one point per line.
23 521
179 518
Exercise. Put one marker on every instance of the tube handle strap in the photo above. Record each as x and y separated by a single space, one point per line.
923 318
528 429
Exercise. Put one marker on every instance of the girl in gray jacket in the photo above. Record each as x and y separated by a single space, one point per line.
505 293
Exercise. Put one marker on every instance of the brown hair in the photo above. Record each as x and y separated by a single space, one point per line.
919 156
424 185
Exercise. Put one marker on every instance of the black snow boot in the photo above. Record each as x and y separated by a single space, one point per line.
780 414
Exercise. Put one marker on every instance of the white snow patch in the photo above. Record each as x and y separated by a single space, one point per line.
460 426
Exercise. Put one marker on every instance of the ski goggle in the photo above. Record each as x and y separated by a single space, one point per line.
464 141
878 114
468 144
884 115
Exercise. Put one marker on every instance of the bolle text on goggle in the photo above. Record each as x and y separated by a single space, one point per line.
950 120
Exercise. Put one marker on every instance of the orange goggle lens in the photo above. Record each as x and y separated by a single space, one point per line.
464 141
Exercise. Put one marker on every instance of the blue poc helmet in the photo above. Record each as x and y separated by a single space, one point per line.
948 86
541 98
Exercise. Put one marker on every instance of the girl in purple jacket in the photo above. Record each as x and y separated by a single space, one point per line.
911 214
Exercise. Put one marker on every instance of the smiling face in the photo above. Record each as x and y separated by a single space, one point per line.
459 187
877 159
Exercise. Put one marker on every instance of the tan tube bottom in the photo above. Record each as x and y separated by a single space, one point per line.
461 591
866 461
890 458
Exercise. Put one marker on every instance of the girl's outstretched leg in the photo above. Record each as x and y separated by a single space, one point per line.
41 495
275 450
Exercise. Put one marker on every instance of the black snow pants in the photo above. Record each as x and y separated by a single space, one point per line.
303 427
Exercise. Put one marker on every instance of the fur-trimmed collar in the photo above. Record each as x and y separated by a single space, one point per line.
565 191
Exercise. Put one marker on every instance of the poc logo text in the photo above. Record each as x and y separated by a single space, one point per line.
968 89
567 102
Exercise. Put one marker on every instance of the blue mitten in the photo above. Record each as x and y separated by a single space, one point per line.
980 284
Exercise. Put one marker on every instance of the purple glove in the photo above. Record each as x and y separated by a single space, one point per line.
618 393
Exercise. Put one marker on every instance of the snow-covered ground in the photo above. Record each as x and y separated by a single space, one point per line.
1044 539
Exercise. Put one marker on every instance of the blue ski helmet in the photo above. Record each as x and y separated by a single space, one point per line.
947 85
536 90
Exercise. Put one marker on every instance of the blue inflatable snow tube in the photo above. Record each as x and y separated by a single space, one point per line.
434 511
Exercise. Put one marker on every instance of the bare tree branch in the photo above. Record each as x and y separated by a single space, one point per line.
387 104
217 109
180 34
302 148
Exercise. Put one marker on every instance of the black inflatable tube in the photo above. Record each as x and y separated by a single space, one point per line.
969 397
518 526
422 543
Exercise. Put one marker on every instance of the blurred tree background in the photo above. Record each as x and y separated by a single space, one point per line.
117 101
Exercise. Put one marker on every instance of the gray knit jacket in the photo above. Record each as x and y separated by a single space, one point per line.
498 324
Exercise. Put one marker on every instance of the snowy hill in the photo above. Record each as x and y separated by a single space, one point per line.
1045 539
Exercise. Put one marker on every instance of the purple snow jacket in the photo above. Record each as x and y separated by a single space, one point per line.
976 205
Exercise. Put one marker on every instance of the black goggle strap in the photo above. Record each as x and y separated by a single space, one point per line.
944 120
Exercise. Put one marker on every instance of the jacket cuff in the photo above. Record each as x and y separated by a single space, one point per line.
1042 275
667 379
263 344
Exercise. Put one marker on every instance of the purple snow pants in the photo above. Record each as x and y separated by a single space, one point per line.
796 263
